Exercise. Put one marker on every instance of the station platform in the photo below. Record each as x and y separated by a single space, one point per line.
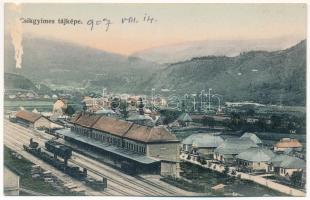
68 134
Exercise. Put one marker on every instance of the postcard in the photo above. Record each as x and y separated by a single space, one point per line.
154 100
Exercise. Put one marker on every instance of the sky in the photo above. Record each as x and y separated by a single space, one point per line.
172 23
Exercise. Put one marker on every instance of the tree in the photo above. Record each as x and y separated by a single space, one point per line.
169 115
296 178
141 106
84 106
275 121
70 110
115 104
123 109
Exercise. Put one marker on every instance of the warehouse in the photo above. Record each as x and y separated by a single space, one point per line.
31 119
147 149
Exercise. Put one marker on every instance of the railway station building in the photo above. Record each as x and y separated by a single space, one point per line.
131 147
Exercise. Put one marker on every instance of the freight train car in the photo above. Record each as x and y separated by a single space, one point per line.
58 149
65 152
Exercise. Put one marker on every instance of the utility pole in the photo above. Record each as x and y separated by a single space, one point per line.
210 98
153 91
194 104
201 96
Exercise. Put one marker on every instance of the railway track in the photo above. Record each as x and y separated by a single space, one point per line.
133 185
140 182
18 144
110 179
15 146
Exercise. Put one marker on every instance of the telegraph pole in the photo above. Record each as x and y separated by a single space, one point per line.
210 98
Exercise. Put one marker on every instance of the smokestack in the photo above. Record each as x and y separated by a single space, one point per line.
16 30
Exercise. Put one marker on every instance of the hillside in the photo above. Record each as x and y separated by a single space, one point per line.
266 77
172 53
62 63
16 81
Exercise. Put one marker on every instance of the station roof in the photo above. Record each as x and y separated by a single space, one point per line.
86 120
125 129
113 149
150 134
28 116
113 126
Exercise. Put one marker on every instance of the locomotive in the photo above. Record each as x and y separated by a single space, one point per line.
58 149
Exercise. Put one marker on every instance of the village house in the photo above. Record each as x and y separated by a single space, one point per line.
284 165
254 159
286 144
59 106
252 137
31 119
184 119
203 144
231 147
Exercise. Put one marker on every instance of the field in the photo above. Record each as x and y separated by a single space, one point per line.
29 105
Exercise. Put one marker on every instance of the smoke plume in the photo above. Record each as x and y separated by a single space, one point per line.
16 30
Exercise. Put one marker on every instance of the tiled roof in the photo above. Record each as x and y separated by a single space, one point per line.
28 116
235 146
150 134
256 155
125 129
288 143
86 120
75 118
252 137
113 126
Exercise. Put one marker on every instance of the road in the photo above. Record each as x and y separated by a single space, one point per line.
119 184
257 179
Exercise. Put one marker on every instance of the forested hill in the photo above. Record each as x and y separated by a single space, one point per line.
266 77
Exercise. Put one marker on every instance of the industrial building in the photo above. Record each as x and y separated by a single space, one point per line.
31 119
126 145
